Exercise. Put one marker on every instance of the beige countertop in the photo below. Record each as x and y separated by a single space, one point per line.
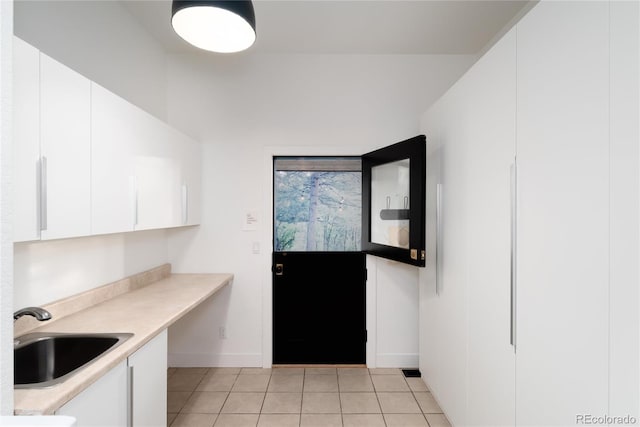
145 312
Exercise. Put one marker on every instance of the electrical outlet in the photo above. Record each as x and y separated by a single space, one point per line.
223 332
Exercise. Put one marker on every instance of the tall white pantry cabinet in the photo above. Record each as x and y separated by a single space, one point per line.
529 311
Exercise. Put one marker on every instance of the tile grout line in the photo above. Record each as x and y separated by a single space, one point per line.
301 398
384 420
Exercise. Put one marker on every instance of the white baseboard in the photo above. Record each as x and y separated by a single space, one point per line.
397 360
222 360
249 360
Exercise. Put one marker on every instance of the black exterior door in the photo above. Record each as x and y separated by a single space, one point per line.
319 308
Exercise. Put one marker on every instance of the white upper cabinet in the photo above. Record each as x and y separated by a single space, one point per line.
88 162
189 154
65 147
157 177
113 139
26 141
563 213
145 174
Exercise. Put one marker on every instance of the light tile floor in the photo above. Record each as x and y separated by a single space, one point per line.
299 397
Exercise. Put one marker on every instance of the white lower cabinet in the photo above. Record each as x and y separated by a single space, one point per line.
103 403
148 373
134 393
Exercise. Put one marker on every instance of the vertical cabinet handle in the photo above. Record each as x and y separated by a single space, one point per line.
43 193
130 396
438 234
185 204
513 276
133 188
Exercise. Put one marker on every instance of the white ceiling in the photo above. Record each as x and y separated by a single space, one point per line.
355 26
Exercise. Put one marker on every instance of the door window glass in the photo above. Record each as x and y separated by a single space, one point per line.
390 204
317 204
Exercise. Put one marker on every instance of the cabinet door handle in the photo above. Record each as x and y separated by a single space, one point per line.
438 234
133 188
130 396
513 276
185 204
43 193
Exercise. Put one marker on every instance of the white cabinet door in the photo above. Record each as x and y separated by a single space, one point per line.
429 304
189 155
145 174
148 368
563 213
65 144
157 177
452 330
490 96
104 403
26 141
624 374
443 288
114 136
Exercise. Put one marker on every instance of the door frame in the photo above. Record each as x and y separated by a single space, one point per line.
269 152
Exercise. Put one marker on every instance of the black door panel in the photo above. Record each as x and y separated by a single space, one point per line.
319 308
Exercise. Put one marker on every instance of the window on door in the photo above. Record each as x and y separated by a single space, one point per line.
317 204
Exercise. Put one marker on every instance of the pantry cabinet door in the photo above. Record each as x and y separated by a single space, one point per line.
490 96
114 135
624 387
429 303
65 138
563 213
26 141
452 327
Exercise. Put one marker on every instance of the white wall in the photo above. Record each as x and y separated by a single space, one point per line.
48 271
101 40
396 313
242 107
6 249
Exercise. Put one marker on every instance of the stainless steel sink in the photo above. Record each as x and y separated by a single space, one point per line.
42 360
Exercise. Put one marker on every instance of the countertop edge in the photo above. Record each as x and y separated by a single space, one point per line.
53 398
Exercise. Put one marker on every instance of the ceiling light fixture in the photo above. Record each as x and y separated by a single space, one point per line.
217 26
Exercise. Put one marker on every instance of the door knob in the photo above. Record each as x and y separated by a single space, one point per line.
279 269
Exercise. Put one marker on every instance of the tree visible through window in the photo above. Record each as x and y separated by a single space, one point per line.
317 210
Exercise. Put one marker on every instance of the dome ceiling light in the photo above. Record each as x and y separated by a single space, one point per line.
217 26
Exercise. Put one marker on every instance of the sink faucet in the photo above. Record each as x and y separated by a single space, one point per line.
39 313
